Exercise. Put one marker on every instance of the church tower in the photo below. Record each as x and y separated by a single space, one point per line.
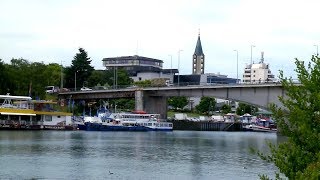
198 59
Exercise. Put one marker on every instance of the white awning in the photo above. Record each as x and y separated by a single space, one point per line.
21 114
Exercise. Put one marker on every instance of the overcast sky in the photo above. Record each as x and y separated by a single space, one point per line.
53 30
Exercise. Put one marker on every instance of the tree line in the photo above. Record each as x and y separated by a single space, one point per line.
25 78
207 106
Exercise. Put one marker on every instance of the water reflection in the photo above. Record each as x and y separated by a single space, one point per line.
133 155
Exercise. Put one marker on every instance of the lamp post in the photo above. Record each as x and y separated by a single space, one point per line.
61 76
237 64
179 66
317 49
252 46
171 66
75 80
115 77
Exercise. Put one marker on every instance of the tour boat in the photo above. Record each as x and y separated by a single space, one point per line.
127 122
23 113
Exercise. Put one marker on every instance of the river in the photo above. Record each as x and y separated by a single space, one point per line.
133 155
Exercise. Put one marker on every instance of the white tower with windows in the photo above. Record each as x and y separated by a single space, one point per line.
258 72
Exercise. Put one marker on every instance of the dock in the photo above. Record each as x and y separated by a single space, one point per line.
206 125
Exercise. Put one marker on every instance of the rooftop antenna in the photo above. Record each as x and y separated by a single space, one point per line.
262 58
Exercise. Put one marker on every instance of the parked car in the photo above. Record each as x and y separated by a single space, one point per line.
85 89
51 89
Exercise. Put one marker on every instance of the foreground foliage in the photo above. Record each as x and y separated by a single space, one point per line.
299 120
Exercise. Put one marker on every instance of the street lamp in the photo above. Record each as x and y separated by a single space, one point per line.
61 76
75 80
237 63
179 66
252 46
170 66
317 49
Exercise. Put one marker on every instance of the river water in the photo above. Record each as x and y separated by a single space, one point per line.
133 155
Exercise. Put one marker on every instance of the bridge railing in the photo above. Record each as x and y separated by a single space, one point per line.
181 84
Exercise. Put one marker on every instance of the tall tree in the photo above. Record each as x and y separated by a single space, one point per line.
299 156
178 102
206 105
79 71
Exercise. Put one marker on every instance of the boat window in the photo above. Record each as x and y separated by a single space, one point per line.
59 116
38 118
149 124
48 118
170 125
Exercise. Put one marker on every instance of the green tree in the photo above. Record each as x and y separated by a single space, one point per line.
246 108
178 102
37 79
52 74
145 83
122 77
27 78
299 120
206 105
4 79
97 77
225 109
79 71
125 104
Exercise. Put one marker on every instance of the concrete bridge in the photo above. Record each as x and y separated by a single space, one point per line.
154 99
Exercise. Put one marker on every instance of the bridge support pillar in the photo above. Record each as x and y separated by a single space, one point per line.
151 104
156 105
139 100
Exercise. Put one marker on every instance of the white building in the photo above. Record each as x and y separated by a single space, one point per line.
258 72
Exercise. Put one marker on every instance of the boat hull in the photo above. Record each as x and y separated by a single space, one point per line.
259 129
101 127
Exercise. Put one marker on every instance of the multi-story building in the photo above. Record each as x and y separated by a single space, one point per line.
139 67
258 72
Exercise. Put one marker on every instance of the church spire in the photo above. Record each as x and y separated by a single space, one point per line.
198 51
198 58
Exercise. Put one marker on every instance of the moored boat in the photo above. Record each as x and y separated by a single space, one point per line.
23 113
128 122
261 125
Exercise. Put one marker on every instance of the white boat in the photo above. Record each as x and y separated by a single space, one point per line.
128 122
21 112
261 125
